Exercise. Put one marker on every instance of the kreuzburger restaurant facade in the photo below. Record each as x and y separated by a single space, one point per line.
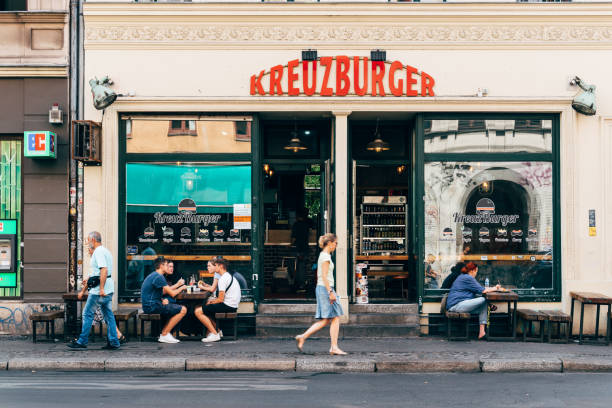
421 134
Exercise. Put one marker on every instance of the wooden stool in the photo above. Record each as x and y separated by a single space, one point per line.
124 315
48 318
454 316
154 318
529 316
233 317
402 278
558 317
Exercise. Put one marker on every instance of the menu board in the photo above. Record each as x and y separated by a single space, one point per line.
242 216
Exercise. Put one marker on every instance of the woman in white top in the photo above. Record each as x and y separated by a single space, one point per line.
328 307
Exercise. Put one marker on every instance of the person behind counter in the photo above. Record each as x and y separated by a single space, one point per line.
329 309
227 301
462 296
153 289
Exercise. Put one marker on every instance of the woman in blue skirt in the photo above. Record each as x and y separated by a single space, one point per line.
328 307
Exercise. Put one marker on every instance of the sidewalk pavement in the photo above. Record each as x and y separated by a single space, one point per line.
409 355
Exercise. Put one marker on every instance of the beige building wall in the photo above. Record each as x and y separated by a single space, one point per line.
200 57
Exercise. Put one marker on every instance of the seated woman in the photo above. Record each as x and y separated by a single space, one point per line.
462 296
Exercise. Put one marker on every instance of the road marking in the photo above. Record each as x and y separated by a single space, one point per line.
221 384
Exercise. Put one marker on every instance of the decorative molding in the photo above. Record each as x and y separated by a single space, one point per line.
48 72
347 35
33 17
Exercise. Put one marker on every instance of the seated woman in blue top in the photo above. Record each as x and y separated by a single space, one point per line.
462 296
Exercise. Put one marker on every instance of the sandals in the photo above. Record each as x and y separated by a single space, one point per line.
297 343
122 339
337 352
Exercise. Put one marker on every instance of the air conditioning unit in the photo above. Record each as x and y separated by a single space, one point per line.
56 116
86 142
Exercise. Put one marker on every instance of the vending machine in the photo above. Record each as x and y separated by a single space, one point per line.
8 254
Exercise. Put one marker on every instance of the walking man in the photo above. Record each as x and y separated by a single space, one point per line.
100 296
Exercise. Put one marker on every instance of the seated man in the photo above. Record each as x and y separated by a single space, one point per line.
227 301
153 289
172 281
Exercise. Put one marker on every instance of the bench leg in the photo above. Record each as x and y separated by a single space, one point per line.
47 329
235 328
571 324
448 328
135 328
34 331
53 330
597 324
581 322
542 324
142 330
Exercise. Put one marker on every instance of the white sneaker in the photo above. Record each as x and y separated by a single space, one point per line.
211 338
168 338
220 333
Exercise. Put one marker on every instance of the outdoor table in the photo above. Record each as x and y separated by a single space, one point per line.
72 319
590 298
511 298
191 301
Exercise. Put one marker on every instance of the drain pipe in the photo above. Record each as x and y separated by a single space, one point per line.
73 279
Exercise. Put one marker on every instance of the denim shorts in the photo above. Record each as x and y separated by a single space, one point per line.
171 309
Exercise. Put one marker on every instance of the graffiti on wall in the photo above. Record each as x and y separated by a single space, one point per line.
15 318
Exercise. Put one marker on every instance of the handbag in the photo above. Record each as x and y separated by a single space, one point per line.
93 282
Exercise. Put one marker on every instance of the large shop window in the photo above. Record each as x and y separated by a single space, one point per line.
187 134
186 212
497 214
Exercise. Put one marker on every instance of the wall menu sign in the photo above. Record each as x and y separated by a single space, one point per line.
242 216
341 76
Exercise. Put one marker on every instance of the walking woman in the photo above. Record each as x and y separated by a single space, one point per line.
328 307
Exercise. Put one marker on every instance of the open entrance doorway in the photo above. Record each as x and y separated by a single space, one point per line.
383 267
296 192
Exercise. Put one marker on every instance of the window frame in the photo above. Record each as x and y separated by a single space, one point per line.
124 158
435 295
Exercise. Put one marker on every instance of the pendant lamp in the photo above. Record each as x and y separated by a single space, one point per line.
377 145
295 144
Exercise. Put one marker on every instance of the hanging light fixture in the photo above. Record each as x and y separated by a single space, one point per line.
377 145
295 144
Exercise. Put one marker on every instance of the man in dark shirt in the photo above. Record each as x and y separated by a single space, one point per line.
299 239
455 272
153 289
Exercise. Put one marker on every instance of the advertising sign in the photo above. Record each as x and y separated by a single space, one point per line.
39 144
242 216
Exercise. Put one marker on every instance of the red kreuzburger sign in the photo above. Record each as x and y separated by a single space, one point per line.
342 76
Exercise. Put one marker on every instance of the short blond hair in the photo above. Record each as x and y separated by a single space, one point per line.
326 239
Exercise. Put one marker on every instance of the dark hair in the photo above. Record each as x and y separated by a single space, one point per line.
159 262
469 267
220 261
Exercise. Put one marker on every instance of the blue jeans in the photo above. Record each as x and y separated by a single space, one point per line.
105 305
476 305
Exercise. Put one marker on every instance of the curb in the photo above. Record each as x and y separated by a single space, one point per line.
534 365
240 365
428 366
335 366
586 364
67 364
163 363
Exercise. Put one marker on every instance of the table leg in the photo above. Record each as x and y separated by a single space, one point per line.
581 322
597 324
514 320
571 325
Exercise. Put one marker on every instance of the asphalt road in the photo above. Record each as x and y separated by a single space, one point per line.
202 389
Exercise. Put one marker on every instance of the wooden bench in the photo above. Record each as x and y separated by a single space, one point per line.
558 317
47 317
455 316
595 299
529 316
233 318
155 320
124 315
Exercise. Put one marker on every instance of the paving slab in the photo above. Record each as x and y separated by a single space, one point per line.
244 364
145 363
508 365
335 364
86 363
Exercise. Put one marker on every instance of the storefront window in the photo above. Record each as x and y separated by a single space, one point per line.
496 214
186 212
487 135
188 135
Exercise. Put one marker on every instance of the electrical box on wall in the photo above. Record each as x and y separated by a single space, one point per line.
39 144
56 116
86 142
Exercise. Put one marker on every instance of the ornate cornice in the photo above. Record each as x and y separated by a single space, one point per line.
34 71
348 35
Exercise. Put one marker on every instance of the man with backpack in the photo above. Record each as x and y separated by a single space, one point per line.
226 302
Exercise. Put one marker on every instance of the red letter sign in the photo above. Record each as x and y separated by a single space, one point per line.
292 77
343 82
396 91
